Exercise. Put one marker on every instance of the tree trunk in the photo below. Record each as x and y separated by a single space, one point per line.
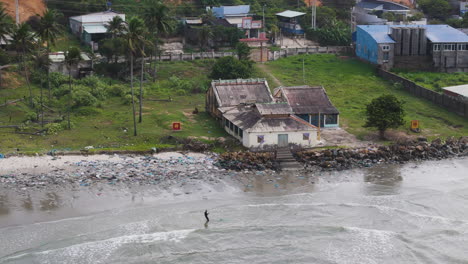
133 96
48 72
69 98
382 134
42 105
141 87
27 80
155 60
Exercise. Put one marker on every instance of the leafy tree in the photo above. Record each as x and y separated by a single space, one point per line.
72 58
389 16
23 42
439 9
6 28
336 34
231 68
205 34
48 32
243 51
134 39
385 112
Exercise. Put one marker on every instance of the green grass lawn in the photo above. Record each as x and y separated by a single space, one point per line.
435 80
65 41
352 84
112 127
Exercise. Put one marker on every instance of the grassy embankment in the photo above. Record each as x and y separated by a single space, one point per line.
435 80
352 84
106 128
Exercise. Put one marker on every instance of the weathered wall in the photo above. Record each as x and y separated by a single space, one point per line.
452 104
250 139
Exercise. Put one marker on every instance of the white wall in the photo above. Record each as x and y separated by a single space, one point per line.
271 138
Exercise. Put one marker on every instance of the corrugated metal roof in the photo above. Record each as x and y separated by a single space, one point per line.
459 89
238 10
307 100
435 33
242 91
274 109
95 29
99 17
382 5
290 14
235 21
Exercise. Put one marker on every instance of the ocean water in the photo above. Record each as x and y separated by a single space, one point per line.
412 213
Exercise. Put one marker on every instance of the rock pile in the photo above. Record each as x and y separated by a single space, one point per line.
141 170
340 159
247 161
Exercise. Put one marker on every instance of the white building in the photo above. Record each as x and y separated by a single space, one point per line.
248 111
91 28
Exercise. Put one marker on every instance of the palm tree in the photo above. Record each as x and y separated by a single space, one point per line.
72 58
6 28
115 27
41 62
23 42
134 39
158 20
49 29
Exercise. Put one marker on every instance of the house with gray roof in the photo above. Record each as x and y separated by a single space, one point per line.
249 112
422 47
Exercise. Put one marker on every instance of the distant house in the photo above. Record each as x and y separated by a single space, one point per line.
438 47
289 22
231 13
91 28
249 112
57 64
460 91
463 7
310 104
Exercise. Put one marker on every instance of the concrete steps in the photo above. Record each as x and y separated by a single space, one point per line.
286 160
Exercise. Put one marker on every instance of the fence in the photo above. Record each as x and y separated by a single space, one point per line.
272 55
452 104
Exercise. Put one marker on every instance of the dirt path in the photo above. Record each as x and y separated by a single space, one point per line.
267 71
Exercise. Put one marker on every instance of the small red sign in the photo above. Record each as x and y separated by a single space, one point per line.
176 126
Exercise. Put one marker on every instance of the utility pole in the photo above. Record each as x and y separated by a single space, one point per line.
314 14
263 11
17 12
303 70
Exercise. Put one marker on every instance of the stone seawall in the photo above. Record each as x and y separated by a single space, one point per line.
341 159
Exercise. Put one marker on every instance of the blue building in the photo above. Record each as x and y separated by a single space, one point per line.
436 47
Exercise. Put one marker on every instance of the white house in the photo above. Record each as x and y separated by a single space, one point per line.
248 111
91 28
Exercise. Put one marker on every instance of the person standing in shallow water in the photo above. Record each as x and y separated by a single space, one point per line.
206 216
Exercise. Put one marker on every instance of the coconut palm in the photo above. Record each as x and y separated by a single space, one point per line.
72 58
49 30
158 19
6 28
115 27
6 24
23 42
134 39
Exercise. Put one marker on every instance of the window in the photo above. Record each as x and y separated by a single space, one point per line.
231 126
449 47
226 123
305 136
331 119
236 130
385 47
436 47
462 47
260 139
385 56
241 133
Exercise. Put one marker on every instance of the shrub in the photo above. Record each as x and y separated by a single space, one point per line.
30 116
53 128
231 68
117 90
61 90
57 79
88 111
127 99
82 97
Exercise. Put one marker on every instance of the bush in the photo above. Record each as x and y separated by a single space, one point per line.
82 97
87 111
117 90
30 116
127 99
231 68
57 79
61 90
54 128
